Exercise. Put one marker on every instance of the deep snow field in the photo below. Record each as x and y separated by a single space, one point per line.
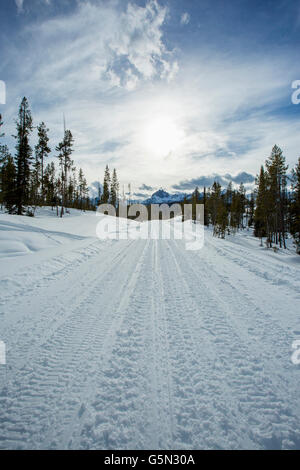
143 344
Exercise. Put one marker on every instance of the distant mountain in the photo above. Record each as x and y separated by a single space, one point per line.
162 197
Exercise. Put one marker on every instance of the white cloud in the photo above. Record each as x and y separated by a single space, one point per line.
119 49
112 75
19 4
185 18
84 64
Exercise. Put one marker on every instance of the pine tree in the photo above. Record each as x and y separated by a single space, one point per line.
3 152
234 209
260 214
42 150
221 224
204 202
185 214
1 124
23 156
195 201
83 190
35 182
228 196
7 176
50 185
217 210
106 186
7 180
277 168
295 206
114 189
251 206
214 202
242 205
99 194
65 151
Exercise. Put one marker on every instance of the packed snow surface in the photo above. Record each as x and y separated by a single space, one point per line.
143 344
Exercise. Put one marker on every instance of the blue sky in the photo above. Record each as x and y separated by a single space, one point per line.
171 93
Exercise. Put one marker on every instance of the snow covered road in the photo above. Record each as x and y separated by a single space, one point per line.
145 345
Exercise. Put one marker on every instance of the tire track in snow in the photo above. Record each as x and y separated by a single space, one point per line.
271 421
80 427
133 406
272 326
277 273
161 357
24 282
200 398
41 319
39 391
118 413
154 348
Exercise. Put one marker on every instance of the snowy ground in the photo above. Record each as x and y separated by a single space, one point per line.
141 344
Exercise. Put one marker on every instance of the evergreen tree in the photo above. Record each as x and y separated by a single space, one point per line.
260 214
1 124
206 217
277 168
50 185
234 209
106 186
114 189
221 224
237 207
228 196
83 190
65 162
7 180
23 155
35 183
41 151
99 193
214 202
23 183
251 207
217 210
195 201
295 206
242 205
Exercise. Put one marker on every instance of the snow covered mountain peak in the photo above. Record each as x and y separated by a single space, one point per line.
161 196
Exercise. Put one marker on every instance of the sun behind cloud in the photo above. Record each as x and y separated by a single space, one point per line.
162 136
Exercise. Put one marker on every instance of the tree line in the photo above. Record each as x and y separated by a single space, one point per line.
226 210
111 187
28 181
272 210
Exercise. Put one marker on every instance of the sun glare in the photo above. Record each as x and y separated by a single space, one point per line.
162 136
